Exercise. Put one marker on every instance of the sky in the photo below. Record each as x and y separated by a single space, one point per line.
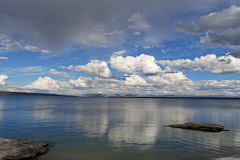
137 47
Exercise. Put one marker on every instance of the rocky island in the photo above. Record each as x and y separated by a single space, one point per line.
200 126
20 148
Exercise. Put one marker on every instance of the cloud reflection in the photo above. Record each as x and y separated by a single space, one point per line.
92 119
140 125
1 108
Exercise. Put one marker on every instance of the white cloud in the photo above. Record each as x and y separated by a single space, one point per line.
31 69
45 51
97 68
137 21
55 72
147 47
224 64
70 67
170 83
115 54
144 63
105 81
170 79
4 58
36 49
47 83
31 48
82 82
135 80
136 33
63 67
3 79
217 85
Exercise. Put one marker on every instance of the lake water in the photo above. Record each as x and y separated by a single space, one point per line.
121 128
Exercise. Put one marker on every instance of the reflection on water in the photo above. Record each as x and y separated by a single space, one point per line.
140 124
122 128
42 110
1 108
94 124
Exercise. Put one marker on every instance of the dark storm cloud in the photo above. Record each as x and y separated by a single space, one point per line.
228 19
222 28
231 38
55 23
234 54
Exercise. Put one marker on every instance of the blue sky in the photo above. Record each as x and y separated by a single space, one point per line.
77 47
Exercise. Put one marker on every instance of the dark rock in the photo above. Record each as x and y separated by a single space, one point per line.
20 148
200 126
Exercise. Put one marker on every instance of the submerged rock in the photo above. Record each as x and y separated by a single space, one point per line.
20 148
200 126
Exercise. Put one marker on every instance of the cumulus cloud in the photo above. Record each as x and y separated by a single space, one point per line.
69 67
47 83
223 28
217 85
63 67
170 83
82 82
144 63
55 72
97 68
4 58
135 80
211 63
3 79
170 79
178 83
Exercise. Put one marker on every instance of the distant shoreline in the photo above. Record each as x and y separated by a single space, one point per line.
117 96
26 93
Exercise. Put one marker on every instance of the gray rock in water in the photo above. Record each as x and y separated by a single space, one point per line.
200 126
20 148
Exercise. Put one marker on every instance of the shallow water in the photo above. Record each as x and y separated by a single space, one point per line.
121 128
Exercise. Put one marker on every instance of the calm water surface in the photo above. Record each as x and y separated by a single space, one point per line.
121 128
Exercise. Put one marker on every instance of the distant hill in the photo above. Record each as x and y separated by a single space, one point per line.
123 96
26 93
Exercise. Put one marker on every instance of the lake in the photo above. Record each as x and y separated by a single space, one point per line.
121 128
